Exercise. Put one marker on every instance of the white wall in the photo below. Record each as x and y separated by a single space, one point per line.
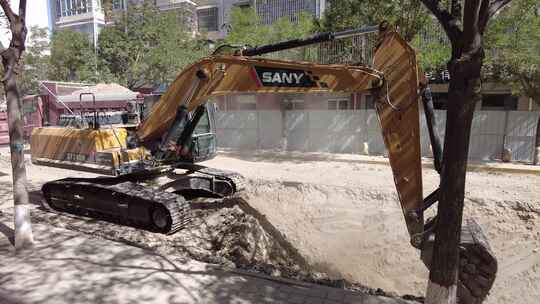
353 131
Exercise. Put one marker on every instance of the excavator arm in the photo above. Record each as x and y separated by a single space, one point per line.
398 85
394 81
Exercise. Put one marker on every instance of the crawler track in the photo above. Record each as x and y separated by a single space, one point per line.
125 202
128 200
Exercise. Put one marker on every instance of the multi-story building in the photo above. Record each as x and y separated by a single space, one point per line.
203 16
271 10
185 8
213 16
88 16
79 15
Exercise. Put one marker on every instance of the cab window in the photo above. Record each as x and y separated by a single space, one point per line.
203 126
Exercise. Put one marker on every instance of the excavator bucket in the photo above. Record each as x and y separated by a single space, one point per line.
477 263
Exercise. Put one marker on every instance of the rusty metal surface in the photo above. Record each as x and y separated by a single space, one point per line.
397 109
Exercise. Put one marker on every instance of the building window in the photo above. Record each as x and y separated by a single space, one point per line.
338 104
66 8
499 102
271 10
440 101
246 102
243 4
370 102
118 5
295 104
207 19
58 9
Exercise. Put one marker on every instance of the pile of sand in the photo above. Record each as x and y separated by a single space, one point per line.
228 233
221 233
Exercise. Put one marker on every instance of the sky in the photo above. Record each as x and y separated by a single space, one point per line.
36 14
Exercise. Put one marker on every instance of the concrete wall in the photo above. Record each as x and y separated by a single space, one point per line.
358 131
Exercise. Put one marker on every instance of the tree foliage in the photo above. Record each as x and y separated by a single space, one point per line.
247 28
409 16
35 61
72 57
513 43
433 47
146 47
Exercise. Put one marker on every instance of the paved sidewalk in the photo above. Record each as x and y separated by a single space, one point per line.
68 267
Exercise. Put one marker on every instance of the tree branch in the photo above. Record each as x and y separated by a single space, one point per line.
456 9
449 22
495 6
472 24
22 9
488 10
483 15
7 10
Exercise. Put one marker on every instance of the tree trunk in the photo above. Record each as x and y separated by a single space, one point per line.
23 227
10 60
464 91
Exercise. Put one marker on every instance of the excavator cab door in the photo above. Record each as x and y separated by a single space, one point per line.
204 145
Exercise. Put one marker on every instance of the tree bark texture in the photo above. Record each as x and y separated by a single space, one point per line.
464 28
464 93
10 60
23 227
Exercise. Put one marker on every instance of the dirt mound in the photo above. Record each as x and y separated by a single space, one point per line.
226 233
359 234
233 237
353 234
229 233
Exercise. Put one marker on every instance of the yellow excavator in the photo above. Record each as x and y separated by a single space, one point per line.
147 190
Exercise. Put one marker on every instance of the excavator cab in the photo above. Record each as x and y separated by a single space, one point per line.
190 139
204 145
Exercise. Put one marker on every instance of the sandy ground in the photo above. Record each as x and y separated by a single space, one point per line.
345 219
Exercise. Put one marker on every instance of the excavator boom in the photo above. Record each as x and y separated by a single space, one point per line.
394 81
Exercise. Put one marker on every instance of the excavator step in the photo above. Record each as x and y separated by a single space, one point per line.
234 178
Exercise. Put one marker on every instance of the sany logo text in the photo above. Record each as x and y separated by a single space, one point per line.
283 77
